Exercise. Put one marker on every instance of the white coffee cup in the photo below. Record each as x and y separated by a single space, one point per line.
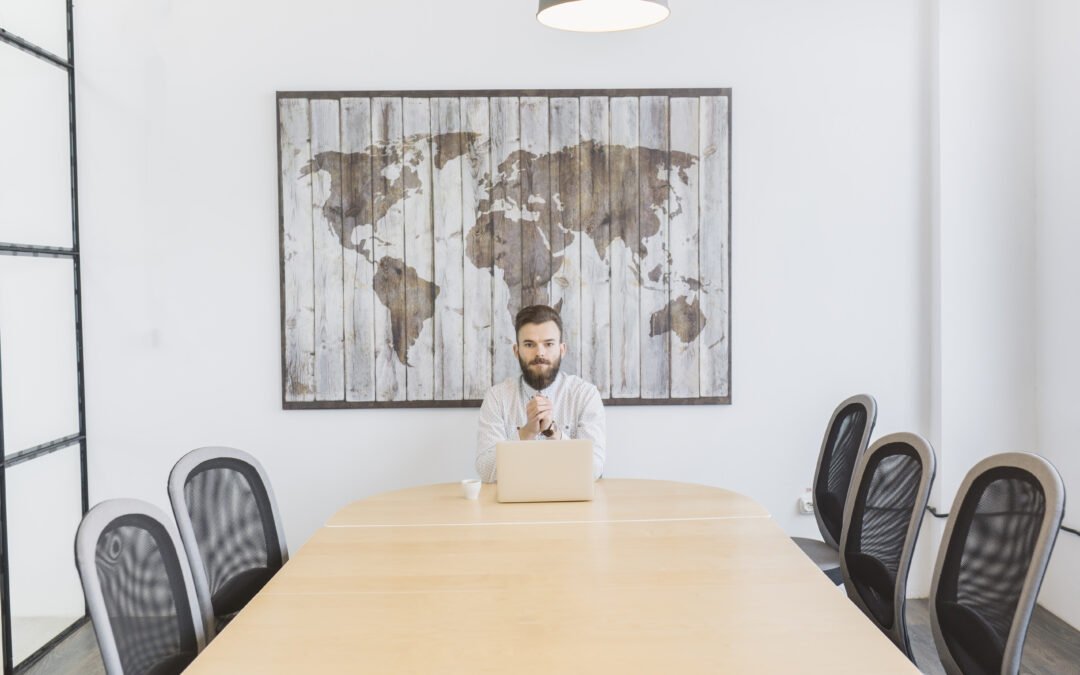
470 488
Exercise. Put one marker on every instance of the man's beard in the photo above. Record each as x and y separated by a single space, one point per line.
539 380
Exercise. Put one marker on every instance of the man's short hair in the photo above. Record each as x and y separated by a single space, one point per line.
536 314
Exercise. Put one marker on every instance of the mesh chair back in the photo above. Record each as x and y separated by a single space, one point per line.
138 589
846 438
890 489
994 552
228 520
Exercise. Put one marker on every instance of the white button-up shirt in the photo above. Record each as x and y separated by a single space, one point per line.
576 408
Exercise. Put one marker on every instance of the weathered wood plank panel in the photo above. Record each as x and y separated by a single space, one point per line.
389 280
535 202
685 307
566 236
653 219
297 250
420 289
326 223
449 251
596 224
715 235
416 225
506 213
479 246
359 292
624 251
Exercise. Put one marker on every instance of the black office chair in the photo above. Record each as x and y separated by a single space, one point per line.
845 439
888 497
229 523
138 589
997 544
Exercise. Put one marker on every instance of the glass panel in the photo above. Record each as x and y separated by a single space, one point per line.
42 22
37 350
44 507
35 151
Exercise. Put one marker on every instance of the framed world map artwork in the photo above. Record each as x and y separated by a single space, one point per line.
415 224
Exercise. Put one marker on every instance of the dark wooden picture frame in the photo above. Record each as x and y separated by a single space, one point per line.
414 225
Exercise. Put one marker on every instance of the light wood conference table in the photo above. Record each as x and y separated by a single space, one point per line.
650 577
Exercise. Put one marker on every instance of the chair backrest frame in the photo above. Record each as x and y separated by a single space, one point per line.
1054 492
870 406
87 536
925 452
178 478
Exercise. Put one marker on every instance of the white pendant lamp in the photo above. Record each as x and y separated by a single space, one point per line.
599 16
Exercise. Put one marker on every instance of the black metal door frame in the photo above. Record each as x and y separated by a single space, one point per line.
79 438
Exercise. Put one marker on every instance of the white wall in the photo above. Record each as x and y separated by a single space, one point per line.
899 170
985 235
1004 233
1058 278
179 221
981 394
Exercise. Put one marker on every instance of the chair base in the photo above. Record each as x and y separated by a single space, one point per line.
824 556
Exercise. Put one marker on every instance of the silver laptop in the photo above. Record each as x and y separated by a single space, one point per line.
544 471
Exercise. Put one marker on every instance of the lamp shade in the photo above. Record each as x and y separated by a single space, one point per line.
598 16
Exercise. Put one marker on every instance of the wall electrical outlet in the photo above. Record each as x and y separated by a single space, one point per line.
806 502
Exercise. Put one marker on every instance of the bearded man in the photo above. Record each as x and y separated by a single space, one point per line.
541 403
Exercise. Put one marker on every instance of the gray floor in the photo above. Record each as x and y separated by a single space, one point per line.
1052 648
77 655
30 633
